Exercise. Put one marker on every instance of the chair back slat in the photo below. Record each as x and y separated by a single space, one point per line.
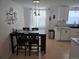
35 29
26 28
34 37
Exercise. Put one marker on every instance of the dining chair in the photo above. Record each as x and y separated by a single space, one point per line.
21 40
26 28
34 29
33 42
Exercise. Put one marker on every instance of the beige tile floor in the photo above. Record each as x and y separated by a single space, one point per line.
54 50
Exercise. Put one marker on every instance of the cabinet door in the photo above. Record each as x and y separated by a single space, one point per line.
65 34
63 13
57 34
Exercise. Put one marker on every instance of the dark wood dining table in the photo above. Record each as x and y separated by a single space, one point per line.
42 35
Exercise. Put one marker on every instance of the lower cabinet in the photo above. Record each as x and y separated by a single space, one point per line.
65 34
62 34
74 32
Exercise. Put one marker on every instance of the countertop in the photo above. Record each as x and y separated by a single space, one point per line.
76 40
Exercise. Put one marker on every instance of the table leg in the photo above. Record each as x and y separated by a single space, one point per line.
12 44
43 43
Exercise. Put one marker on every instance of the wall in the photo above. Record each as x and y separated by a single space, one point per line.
27 18
5 29
52 11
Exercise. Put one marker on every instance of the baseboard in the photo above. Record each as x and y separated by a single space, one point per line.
64 40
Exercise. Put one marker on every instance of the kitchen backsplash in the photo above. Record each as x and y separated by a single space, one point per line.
61 23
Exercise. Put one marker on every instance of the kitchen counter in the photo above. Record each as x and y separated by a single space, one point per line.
65 33
75 40
74 49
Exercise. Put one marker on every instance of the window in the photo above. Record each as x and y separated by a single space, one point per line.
73 17
39 20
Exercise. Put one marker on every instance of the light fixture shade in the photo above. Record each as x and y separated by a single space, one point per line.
36 9
36 1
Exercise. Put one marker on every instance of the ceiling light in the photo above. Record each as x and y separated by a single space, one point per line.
36 1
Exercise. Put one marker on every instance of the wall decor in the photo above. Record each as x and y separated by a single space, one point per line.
50 18
11 16
54 16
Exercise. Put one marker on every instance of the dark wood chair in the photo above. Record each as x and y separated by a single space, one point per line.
33 42
34 29
26 28
21 40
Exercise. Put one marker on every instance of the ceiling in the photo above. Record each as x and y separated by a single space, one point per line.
48 3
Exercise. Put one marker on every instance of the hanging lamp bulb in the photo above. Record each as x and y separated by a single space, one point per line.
36 12
36 1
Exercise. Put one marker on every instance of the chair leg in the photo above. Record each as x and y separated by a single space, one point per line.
17 50
29 50
25 50
37 50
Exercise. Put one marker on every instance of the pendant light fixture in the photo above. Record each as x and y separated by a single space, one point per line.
36 7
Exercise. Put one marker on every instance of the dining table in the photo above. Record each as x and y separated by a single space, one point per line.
42 35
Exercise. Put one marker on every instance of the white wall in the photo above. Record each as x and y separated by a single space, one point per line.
5 29
52 11
27 17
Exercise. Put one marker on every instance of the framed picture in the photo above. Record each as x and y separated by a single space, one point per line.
53 16
50 18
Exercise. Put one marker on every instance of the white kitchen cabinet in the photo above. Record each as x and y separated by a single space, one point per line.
63 12
65 34
62 33
74 32
57 33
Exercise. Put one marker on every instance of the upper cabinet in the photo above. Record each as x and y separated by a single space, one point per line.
63 12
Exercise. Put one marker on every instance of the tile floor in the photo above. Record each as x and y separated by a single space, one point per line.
54 50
